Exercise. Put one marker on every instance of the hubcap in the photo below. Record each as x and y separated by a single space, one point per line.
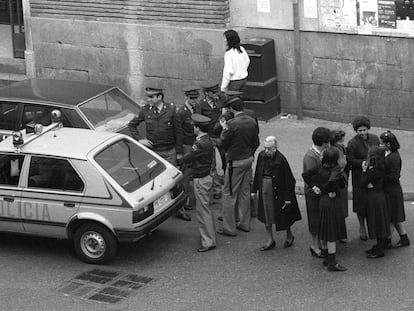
93 244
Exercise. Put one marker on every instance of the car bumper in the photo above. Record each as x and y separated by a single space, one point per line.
136 234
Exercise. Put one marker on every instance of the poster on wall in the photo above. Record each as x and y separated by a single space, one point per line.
387 17
367 11
338 14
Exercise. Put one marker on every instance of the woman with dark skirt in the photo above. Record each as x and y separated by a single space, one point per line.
312 160
337 141
330 181
392 188
372 180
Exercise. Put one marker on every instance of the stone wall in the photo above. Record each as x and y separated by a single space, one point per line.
347 75
128 55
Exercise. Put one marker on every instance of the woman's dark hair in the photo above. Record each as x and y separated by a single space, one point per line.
321 135
376 157
330 157
336 135
233 40
388 137
361 121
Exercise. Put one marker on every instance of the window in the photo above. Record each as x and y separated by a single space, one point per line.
10 169
110 111
9 113
51 173
129 164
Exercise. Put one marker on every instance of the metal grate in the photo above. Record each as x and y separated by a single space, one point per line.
104 286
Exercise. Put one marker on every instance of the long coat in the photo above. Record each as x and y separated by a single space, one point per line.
283 190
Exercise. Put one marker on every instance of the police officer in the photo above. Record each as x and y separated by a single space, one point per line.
240 139
211 106
200 158
162 128
229 94
185 123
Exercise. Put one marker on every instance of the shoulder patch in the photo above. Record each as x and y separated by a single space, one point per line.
195 147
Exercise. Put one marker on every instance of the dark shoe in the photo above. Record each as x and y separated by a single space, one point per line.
183 216
336 268
242 229
376 254
363 238
372 249
225 233
343 241
388 244
402 243
316 254
289 243
188 207
268 246
203 249
220 218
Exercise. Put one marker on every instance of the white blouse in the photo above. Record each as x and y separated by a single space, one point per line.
235 66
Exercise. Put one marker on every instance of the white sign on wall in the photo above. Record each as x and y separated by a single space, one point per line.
263 6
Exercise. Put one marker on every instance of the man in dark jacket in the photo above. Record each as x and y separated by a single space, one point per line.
239 139
162 128
200 158
275 184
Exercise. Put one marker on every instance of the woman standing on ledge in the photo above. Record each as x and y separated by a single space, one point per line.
236 62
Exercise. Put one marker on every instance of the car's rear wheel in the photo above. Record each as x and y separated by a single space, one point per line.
94 244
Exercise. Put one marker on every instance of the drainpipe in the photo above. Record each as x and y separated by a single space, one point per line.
298 59
28 53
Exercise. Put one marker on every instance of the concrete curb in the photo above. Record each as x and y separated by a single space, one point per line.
408 196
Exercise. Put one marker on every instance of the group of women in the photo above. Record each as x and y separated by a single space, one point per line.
375 167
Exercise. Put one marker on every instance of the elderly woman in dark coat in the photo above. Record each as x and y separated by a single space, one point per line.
358 148
274 181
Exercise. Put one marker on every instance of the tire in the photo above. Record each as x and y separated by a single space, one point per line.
94 244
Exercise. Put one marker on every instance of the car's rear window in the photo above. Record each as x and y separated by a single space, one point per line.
129 164
110 111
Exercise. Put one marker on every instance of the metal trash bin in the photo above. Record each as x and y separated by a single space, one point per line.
261 91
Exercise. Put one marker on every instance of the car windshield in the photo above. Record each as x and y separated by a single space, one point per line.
129 164
110 111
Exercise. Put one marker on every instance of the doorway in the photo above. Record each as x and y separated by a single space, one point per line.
11 29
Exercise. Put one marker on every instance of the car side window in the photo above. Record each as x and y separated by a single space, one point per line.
10 169
9 112
52 173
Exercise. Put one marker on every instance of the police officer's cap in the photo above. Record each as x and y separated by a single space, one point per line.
232 93
192 91
234 102
151 91
211 86
199 119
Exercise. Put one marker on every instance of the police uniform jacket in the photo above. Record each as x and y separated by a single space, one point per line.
162 128
185 125
241 139
213 112
200 156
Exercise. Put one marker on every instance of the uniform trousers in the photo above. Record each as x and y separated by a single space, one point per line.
237 203
189 191
205 217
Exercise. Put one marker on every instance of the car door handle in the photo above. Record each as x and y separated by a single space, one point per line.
69 204
8 199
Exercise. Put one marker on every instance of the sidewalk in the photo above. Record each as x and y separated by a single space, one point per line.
295 138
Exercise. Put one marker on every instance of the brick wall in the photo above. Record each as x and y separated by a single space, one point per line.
209 13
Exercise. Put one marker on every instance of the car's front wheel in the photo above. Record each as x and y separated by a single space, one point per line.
94 244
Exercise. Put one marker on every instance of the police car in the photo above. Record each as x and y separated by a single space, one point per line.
95 188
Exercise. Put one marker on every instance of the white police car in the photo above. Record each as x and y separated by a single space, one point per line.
95 188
